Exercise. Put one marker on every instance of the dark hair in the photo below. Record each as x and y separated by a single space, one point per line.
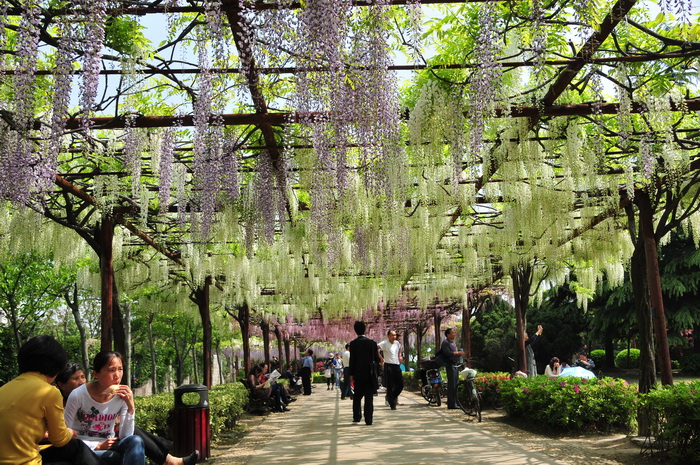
391 331
309 351
552 362
42 354
347 346
103 358
69 370
257 369
447 331
360 327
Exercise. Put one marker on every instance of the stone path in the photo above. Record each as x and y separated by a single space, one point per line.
319 430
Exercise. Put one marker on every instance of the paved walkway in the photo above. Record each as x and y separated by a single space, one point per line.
319 430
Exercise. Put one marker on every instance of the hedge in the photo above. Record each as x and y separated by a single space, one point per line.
622 360
571 403
675 420
227 402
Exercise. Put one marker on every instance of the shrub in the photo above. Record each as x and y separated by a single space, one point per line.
227 402
598 356
152 413
489 385
675 419
571 403
691 364
623 361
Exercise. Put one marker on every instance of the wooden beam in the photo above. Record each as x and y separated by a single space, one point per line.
278 119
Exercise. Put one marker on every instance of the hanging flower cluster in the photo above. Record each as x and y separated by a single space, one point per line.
415 21
486 77
62 84
682 9
18 177
94 14
3 34
165 169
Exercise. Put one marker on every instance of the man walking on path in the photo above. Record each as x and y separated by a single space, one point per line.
345 387
307 366
391 359
363 355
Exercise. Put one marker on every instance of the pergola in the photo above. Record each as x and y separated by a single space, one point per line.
264 147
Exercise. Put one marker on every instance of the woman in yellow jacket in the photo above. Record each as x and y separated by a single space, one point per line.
31 409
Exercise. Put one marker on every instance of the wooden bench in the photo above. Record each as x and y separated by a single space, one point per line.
255 404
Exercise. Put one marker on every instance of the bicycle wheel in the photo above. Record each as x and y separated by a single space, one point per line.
425 392
496 402
476 402
463 400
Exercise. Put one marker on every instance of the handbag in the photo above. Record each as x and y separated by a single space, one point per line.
327 373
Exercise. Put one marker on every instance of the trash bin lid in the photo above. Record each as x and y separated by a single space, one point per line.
199 389
191 388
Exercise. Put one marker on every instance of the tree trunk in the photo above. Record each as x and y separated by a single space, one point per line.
646 223
436 325
419 345
265 328
127 378
286 354
179 357
200 296
195 368
609 349
242 316
152 347
218 361
406 354
522 281
107 283
74 305
280 354
466 333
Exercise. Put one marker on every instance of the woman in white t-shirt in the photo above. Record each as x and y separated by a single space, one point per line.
93 408
553 368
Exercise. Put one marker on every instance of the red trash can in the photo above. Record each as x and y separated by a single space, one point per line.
190 426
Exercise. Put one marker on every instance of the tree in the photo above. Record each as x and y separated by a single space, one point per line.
30 291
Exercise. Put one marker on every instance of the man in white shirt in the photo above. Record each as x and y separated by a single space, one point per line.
345 387
391 358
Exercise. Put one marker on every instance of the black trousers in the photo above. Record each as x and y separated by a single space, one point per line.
305 373
451 386
393 381
75 453
363 388
346 388
157 448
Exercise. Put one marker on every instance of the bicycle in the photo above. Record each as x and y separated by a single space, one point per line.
468 397
431 388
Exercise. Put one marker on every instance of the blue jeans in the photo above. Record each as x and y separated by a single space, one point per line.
127 451
337 376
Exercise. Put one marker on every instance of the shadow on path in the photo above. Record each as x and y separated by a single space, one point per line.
319 430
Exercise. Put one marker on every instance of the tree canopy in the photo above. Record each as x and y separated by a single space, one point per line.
322 159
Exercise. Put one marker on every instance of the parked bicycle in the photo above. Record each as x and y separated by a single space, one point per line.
468 396
431 381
